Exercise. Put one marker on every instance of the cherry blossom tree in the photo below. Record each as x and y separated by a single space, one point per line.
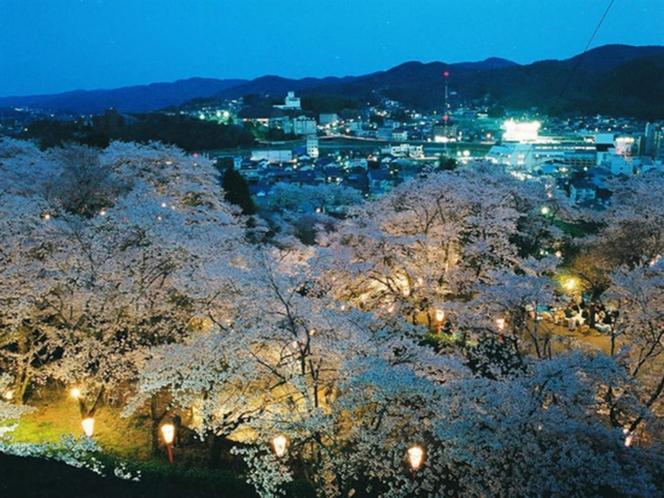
433 238
119 269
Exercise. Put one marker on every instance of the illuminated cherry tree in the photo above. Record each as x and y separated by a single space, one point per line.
433 238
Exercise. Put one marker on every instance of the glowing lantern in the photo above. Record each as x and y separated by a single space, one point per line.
168 433
570 284
439 315
75 393
88 425
415 457
500 324
279 444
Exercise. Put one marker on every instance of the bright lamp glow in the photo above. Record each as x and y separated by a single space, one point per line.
75 392
415 457
440 315
88 425
570 284
500 324
280 443
168 433
524 131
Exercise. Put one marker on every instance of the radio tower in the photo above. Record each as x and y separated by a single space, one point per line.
446 115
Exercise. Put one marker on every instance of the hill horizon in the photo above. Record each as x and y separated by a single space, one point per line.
411 81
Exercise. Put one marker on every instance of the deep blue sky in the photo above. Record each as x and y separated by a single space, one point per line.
57 45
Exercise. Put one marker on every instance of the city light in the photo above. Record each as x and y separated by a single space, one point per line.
279 444
521 131
88 425
415 457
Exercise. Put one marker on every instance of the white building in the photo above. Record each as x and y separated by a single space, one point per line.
291 102
312 146
303 125
404 150
272 156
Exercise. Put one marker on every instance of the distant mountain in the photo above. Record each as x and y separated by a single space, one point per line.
612 79
584 83
141 98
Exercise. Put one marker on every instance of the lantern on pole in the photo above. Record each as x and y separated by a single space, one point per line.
168 433
279 445
415 456
88 425
439 317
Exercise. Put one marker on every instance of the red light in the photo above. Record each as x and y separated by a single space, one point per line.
446 117
446 73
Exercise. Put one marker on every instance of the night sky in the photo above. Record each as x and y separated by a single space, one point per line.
57 45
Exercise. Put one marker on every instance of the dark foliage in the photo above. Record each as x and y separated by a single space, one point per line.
186 132
236 190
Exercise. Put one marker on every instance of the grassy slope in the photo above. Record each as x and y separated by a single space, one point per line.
57 414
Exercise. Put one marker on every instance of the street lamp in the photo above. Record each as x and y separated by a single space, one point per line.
279 444
500 325
88 425
439 317
570 284
168 433
415 457
75 393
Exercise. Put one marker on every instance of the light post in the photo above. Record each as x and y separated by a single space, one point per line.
88 425
439 317
279 445
500 325
168 433
415 456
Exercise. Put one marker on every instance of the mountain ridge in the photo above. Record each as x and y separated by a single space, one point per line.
552 85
